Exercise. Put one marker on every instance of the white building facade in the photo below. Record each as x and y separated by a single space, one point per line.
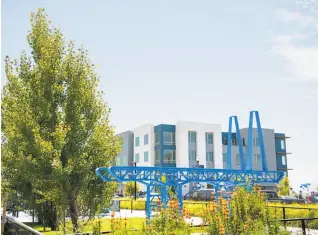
188 143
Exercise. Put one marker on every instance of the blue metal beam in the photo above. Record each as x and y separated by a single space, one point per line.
177 177
249 161
229 144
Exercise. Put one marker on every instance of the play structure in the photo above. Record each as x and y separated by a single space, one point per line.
166 178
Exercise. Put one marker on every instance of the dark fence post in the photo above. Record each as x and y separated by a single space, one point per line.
303 226
284 216
131 205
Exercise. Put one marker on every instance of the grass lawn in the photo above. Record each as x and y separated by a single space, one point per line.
132 223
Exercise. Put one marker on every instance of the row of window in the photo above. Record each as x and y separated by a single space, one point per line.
192 137
256 159
169 138
169 156
145 157
193 156
235 142
146 140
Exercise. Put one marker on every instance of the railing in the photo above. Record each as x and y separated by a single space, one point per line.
302 221
202 228
285 220
13 226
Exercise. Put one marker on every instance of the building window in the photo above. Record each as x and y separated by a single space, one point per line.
257 158
243 141
225 141
237 159
157 156
234 142
169 156
169 138
256 142
192 155
146 139
137 141
209 156
156 138
224 159
137 157
146 156
209 138
282 144
284 160
192 137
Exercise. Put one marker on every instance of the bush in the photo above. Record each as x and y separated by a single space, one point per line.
170 221
136 205
246 213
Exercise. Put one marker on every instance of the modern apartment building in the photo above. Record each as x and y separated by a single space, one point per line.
185 143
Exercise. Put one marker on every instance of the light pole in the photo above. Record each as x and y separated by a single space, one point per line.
135 164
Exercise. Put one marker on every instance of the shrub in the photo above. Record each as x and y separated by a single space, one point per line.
169 220
246 213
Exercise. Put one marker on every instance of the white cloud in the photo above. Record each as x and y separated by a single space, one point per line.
302 60
295 17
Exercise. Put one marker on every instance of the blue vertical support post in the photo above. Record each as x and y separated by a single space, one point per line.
229 144
148 202
250 142
261 141
240 144
164 194
180 198
216 188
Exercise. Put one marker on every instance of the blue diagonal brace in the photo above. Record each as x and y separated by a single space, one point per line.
250 142
229 144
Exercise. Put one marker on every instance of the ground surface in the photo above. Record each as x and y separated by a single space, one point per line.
136 220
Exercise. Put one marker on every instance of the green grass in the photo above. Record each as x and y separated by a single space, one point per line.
132 223
195 208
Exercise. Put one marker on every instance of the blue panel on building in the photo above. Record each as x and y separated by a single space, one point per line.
160 146
280 147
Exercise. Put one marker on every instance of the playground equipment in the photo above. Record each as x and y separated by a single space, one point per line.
173 177
305 186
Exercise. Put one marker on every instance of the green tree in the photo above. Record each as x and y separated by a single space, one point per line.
55 125
283 187
130 188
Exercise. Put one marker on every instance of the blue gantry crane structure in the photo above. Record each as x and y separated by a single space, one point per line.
174 177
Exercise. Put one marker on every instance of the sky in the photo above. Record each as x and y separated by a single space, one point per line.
202 61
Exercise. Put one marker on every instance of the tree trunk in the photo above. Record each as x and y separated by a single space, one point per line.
73 211
52 221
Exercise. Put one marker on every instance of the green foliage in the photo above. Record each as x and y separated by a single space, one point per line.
246 213
284 186
55 125
130 188
169 220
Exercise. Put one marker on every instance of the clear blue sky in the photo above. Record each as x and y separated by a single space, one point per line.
163 61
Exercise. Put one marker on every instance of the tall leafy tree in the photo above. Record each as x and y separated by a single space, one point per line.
284 186
130 188
55 125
